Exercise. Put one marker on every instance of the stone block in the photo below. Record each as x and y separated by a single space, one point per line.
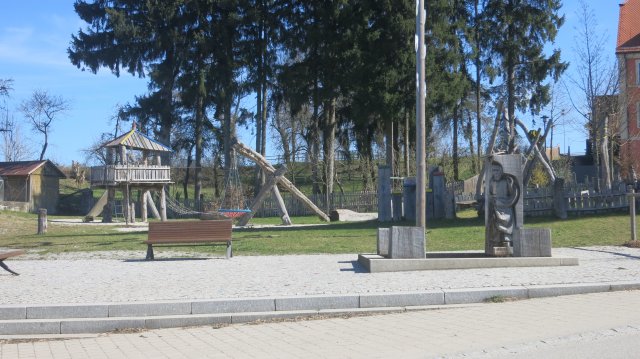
383 241
233 306
407 243
29 327
68 311
101 325
532 242
435 297
149 309
567 289
478 295
317 302
13 312
186 321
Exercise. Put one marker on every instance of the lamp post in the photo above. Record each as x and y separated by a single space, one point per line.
420 116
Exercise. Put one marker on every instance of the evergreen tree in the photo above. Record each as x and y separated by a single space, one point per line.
520 31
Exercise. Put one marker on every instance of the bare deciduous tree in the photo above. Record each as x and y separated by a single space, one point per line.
42 109
594 77
14 147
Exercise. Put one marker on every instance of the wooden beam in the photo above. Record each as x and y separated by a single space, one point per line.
266 188
269 169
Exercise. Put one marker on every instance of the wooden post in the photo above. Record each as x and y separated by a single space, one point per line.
143 207
266 188
125 204
163 205
632 213
107 212
42 221
282 209
154 209
132 211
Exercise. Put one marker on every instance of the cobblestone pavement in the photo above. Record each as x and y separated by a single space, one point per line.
125 277
511 329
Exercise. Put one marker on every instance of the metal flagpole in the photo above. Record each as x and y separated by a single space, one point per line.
421 93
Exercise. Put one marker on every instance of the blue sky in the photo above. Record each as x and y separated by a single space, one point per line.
35 34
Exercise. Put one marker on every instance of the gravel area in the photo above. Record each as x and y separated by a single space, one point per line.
123 276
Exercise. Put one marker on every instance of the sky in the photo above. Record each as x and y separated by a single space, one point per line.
35 35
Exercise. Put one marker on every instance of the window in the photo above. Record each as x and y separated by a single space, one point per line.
637 72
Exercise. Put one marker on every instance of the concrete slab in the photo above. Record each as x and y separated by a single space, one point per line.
567 289
99 325
68 311
186 321
233 306
13 312
434 297
375 264
149 309
618 286
478 295
26 327
317 302
256 317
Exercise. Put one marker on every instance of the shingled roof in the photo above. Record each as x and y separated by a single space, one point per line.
25 168
136 140
629 27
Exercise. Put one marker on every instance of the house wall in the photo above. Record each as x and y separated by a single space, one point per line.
629 106
15 189
44 190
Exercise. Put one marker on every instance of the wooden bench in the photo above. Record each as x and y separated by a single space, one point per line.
9 254
188 232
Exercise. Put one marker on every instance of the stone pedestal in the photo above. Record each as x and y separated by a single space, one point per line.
407 242
383 241
532 242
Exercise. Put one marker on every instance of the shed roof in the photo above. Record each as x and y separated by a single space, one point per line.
629 27
25 168
136 140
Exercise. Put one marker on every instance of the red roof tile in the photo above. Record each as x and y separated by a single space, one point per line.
629 27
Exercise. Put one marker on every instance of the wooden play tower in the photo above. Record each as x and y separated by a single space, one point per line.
133 163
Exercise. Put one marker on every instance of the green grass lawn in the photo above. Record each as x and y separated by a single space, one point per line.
17 230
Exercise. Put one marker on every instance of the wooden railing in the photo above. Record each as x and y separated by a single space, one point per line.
114 174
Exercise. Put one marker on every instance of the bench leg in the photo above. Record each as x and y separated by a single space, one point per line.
4 266
229 250
149 252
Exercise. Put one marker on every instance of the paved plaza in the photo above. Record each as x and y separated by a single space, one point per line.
592 325
126 277
601 325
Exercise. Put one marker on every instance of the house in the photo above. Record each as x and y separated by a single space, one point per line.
29 185
628 53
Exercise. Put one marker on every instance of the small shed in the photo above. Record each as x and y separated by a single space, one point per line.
30 185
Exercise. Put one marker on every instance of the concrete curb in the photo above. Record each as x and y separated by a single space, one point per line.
107 317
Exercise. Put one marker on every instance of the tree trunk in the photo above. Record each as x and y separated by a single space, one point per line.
329 136
44 146
185 183
407 171
469 131
456 160
200 108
